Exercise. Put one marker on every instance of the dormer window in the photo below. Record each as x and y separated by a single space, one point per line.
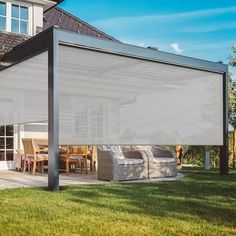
23 17
16 18
19 19
3 16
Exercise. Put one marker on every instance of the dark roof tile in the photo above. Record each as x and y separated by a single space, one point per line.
54 16
9 40
64 20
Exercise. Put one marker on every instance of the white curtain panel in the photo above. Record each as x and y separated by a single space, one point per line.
111 99
23 91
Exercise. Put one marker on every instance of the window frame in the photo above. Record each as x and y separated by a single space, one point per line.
20 19
2 16
30 7
5 137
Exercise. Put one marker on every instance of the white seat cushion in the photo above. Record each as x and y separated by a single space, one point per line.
159 160
42 156
77 157
129 161
72 157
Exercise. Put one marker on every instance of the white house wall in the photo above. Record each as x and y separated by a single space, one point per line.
34 130
37 15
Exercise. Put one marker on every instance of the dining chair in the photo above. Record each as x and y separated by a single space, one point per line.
72 156
81 153
68 159
92 157
32 155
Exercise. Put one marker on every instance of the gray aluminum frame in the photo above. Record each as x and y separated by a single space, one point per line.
53 37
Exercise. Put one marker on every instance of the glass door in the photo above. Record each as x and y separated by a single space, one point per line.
7 143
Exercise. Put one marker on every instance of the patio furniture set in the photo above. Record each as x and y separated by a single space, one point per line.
35 154
115 163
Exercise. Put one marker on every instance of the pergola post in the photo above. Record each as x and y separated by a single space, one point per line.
224 158
53 113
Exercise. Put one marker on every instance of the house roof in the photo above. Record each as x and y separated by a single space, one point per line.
53 17
64 20
9 40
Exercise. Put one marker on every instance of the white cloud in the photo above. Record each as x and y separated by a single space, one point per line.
136 20
176 47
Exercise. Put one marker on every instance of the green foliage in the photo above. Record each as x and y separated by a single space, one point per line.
195 155
232 91
231 164
232 101
232 61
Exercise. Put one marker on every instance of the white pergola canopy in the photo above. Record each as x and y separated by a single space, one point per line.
101 92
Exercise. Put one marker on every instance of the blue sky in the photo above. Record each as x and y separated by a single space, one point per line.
199 28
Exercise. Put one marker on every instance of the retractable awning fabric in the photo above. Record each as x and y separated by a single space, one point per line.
24 91
107 98
117 99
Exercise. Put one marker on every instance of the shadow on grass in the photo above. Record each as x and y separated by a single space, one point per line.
205 195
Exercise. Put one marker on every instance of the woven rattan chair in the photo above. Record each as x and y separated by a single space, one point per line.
162 163
115 166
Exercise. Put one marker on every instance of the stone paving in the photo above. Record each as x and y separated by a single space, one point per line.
14 179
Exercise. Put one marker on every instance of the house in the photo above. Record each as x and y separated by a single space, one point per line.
20 20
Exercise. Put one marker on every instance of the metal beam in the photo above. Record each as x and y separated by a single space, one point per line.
68 38
224 158
53 113
38 43
29 48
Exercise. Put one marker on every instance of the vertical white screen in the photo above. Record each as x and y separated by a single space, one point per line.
23 91
111 99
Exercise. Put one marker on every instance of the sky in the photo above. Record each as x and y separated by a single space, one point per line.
203 29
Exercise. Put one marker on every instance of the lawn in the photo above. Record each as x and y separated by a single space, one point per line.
203 203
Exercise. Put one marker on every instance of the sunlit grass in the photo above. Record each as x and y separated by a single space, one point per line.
203 203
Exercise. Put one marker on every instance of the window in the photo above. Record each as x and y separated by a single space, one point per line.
6 143
19 19
3 16
89 121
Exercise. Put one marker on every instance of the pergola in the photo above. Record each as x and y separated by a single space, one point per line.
92 91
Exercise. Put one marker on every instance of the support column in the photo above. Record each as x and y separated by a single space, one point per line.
224 157
53 113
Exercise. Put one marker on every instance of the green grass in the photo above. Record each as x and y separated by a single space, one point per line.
203 203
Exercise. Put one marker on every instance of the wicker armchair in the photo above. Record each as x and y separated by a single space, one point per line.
162 163
118 166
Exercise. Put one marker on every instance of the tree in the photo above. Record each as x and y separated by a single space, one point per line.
232 100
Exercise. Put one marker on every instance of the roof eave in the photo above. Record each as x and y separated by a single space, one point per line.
39 43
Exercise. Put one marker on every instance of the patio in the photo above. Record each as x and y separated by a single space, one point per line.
14 179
